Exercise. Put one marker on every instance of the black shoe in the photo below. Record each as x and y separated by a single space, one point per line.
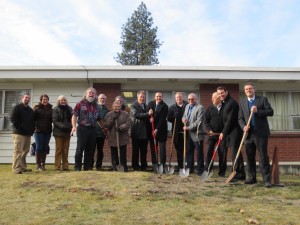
27 170
99 168
241 177
222 176
233 180
268 184
250 181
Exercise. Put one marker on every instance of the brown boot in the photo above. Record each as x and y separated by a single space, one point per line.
38 160
43 158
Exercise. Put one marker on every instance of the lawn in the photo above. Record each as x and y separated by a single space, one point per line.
105 197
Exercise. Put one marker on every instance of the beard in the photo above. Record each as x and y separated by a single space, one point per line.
90 99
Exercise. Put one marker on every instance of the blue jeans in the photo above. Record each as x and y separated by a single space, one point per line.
42 141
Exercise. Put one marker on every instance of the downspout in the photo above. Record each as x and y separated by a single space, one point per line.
87 76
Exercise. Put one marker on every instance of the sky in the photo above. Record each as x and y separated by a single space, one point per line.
252 33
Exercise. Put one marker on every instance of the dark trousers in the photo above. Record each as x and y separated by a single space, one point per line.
222 153
261 144
139 150
86 141
162 152
179 150
239 165
99 148
115 156
191 145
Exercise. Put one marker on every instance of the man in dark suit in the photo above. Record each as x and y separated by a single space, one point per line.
232 131
258 133
159 109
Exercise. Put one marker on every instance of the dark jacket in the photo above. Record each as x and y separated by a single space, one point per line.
231 131
99 130
213 120
160 119
264 109
43 118
139 121
61 117
22 119
175 111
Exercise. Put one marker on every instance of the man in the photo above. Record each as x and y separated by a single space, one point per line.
176 112
159 109
119 121
193 118
100 133
231 132
214 126
120 99
139 131
258 133
87 114
23 127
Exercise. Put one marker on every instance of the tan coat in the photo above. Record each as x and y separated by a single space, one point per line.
123 123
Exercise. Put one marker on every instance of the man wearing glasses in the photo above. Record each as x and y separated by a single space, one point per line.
193 119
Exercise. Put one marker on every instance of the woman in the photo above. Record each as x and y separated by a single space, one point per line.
43 129
61 117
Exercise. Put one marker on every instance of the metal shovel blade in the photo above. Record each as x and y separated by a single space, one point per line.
184 172
205 176
120 168
160 169
231 176
169 169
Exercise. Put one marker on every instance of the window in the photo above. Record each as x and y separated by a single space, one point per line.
8 99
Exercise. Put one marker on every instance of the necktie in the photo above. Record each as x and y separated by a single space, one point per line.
190 111
156 106
251 103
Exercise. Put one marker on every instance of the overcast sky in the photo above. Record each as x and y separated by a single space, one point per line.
193 32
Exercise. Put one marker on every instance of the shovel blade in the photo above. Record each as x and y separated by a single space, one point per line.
160 169
231 176
184 172
169 170
120 168
204 176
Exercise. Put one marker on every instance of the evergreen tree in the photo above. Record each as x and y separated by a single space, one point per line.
139 41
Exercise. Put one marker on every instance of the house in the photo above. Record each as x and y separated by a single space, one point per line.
280 85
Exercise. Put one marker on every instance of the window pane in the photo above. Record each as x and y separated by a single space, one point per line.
296 103
11 99
1 98
279 102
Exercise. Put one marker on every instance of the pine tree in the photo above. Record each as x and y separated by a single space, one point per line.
139 40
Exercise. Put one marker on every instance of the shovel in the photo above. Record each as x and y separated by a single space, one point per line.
185 171
158 168
231 176
120 168
170 169
207 174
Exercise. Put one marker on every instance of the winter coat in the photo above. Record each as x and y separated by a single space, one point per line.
139 121
61 117
160 119
43 118
123 125
22 119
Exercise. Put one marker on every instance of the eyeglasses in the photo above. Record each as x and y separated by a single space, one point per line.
190 99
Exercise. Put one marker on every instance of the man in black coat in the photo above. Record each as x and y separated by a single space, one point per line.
258 133
159 109
23 127
232 131
214 126
139 131
176 112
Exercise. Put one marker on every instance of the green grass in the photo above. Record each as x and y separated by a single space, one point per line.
94 197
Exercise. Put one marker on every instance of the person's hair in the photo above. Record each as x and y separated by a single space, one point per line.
249 83
179 93
141 92
194 95
104 96
215 94
90 88
44 96
60 98
158 92
116 102
222 88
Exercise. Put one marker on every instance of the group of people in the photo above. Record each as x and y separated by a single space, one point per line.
222 122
